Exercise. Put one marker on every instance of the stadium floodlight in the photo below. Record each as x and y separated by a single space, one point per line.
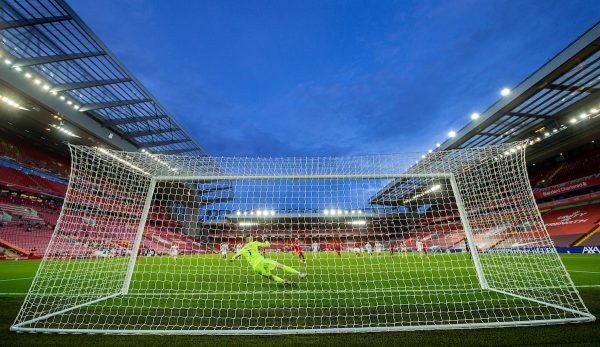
463 267
28 75
505 92
12 103
452 134
573 120
474 116
435 188
7 61
37 81
583 115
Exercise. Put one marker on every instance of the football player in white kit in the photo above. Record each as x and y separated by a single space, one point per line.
174 252
223 249
315 247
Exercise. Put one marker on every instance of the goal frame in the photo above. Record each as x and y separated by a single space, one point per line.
584 316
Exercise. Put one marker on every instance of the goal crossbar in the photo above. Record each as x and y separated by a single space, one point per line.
296 177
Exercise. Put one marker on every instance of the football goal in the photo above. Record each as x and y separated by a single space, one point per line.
164 244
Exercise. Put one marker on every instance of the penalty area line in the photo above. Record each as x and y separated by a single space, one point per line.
16 279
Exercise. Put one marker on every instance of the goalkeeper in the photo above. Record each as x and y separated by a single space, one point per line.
263 266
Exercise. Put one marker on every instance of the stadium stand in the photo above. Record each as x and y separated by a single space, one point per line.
570 225
21 159
582 166
32 155
26 223
19 180
575 166
26 227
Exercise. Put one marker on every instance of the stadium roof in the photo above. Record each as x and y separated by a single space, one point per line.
56 58
557 104
567 86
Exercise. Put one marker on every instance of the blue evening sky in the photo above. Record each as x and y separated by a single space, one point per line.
331 77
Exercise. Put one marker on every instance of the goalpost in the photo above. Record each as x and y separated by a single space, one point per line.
449 240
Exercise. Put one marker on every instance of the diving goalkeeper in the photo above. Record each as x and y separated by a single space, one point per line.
263 266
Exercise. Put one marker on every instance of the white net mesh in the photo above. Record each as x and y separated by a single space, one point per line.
158 244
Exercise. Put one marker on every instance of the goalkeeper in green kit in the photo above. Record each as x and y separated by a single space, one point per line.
262 266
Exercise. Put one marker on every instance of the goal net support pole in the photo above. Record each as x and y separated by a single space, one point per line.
468 233
138 236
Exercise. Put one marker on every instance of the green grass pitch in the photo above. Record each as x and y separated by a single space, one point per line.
16 276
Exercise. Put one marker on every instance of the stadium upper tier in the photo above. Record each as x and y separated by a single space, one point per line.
555 109
32 154
583 165
51 55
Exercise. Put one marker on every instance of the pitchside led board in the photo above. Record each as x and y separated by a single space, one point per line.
163 244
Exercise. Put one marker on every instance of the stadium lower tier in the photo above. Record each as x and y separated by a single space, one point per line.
574 226
31 239
26 228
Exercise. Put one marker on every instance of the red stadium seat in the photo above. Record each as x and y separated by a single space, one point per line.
566 226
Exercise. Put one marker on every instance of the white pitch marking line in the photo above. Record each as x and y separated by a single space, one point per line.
16 279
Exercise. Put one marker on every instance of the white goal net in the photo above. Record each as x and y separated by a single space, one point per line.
201 245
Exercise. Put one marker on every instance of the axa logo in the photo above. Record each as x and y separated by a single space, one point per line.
594 250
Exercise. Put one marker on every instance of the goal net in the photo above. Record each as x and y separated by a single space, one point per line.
201 245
